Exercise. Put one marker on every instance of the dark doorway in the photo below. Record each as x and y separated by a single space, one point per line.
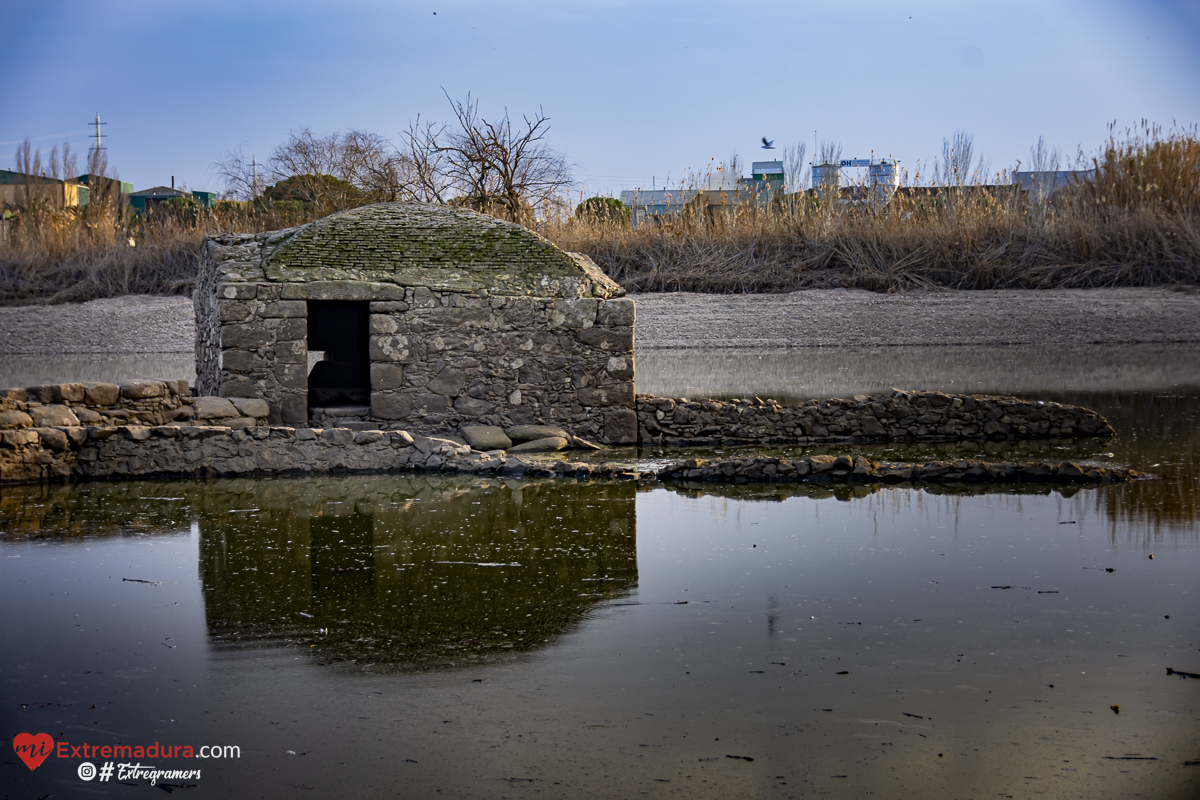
339 329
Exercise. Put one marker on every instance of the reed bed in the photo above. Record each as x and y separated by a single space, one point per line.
1137 223
65 255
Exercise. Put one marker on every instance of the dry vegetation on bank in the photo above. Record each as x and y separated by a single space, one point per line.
1136 224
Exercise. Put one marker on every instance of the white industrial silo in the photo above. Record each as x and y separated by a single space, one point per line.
827 181
884 178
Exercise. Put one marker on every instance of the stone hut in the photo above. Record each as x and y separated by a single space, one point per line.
415 317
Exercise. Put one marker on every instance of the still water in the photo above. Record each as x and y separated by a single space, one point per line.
410 636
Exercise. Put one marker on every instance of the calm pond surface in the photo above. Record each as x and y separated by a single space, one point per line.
391 635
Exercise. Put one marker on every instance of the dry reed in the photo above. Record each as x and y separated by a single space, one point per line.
1136 224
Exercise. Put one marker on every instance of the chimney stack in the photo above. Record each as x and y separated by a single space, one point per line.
172 181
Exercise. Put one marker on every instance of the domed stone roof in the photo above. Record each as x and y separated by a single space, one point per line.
412 244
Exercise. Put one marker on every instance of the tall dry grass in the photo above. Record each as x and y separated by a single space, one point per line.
61 255
1136 224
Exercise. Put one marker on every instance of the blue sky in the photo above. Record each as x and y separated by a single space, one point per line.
634 90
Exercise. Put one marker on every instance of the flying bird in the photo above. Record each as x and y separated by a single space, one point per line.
768 145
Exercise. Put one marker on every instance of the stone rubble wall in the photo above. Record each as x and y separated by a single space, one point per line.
443 361
65 432
858 469
33 455
68 405
900 416
439 360
472 320
64 454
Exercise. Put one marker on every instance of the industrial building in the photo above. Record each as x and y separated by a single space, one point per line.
714 193
19 190
147 199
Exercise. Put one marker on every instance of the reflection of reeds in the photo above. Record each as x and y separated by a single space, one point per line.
1158 433
1166 442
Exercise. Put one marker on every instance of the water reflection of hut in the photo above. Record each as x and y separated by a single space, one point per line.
413 572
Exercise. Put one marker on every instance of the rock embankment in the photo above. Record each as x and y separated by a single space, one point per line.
137 403
900 417
68 453
858 469
64 432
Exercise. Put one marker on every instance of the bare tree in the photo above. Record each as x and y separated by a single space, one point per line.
829 152
240 175
794 168
332 171
1043 158
424 162
500 168
28 163
60 165
735 166
955 166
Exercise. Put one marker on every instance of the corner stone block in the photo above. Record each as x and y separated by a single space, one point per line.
391 348
389 405
293 352
386 376
292 329
617 340
620 426
620 367
294 410
237 385
575 315
619 394
286 309
245 336
291 376
388 307
141 390
343 290
384 324
237 291
233 311
620 312
237 360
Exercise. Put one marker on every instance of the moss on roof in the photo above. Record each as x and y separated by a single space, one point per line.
434 246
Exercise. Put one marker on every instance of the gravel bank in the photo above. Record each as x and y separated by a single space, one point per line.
138 324
833 317
852 317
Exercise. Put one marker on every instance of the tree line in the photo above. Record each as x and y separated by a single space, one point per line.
503 167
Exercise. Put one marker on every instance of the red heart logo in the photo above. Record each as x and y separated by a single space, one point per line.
33 749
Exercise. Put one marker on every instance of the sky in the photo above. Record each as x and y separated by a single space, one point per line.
637 92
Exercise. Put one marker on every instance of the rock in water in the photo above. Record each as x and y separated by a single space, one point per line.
485 437
548 444
530 433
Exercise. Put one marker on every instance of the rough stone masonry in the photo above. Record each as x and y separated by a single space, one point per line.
458 319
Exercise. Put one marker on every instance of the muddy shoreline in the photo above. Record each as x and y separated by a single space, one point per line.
815 318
